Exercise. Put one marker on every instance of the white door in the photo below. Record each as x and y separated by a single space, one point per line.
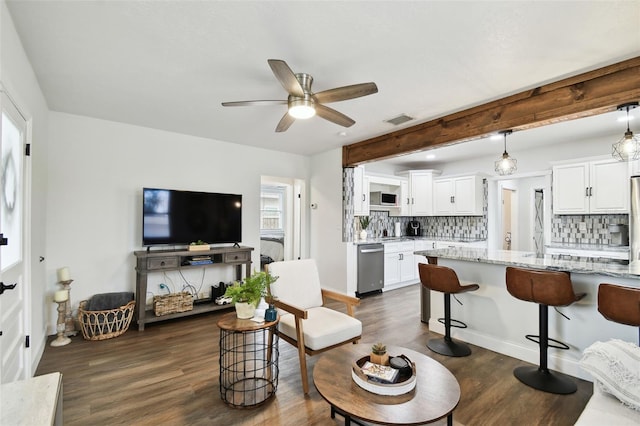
13 353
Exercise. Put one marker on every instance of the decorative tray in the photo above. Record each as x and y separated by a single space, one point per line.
384 380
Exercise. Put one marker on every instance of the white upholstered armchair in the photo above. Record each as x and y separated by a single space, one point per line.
304 321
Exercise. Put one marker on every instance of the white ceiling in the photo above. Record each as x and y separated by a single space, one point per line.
169 64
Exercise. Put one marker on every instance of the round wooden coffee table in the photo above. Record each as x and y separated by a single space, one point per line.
435 396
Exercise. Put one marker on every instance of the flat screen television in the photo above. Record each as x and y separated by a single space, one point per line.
171 217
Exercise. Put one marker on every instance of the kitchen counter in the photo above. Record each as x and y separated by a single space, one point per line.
498 321
588 247
375 240
531 260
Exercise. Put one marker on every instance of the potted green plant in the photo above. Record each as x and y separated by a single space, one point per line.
246 295
198 246
364 224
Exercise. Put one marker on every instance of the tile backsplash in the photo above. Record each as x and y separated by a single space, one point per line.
585 229
454 227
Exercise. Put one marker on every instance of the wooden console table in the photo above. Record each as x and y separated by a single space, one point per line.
173 260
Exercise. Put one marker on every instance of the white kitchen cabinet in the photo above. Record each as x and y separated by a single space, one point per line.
418 197
360 192
458 196
591 187
422 245
399 264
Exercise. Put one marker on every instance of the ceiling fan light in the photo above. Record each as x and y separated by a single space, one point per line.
301 108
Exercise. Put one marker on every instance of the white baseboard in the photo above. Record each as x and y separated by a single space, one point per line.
555 361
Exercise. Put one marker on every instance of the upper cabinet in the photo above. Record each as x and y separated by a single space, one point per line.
385 193
360 192
591 187
417 194
458 196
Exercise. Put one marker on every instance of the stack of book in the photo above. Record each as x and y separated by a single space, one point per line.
380 373
200 260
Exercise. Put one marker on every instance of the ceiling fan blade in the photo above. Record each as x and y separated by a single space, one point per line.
286 77
254 103
334 116
346 92
285 122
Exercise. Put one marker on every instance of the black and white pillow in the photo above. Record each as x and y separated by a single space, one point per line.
615 365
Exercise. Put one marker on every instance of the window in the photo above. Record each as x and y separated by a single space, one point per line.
272 211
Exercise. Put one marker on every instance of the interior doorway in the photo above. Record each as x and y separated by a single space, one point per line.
281 219
526 211
509 219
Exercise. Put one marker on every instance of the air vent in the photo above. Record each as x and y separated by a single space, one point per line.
396 121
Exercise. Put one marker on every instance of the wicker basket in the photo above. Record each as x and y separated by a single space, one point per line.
171 303
101 325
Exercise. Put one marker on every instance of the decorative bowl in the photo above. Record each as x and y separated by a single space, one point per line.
405 380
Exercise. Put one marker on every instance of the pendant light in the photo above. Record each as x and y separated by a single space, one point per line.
627 148
505 165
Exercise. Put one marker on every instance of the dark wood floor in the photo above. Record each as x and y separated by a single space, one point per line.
168 375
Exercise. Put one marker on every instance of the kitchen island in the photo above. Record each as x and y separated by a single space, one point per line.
498 321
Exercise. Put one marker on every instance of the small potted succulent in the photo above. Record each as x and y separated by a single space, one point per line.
379 354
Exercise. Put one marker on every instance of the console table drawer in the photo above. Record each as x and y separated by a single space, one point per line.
242 256
162 263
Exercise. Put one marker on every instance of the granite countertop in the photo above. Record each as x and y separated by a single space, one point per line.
587 247
531 260
374 240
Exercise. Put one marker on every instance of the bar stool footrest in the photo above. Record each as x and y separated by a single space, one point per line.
558 344
449 347
545 380
454 323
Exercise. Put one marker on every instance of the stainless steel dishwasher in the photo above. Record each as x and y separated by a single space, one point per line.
370 268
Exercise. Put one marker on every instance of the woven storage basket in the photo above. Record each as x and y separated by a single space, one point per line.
171 303
101 325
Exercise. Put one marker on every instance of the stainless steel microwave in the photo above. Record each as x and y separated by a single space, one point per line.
380 198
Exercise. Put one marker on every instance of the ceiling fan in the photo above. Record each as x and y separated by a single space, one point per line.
303 103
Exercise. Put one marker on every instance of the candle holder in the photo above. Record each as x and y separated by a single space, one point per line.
61 340
70 326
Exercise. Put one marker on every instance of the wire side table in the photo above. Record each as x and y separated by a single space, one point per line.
248 361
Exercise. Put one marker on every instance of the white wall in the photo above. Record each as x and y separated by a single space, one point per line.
19 80
97 170
533 160
326 244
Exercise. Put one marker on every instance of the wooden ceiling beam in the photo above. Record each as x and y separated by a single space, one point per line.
591 93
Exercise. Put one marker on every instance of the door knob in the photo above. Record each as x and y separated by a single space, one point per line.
4 287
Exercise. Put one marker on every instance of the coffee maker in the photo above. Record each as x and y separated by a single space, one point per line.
619 234
414 228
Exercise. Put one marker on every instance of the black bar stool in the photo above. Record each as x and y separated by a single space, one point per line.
546 288
445 280
620 304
